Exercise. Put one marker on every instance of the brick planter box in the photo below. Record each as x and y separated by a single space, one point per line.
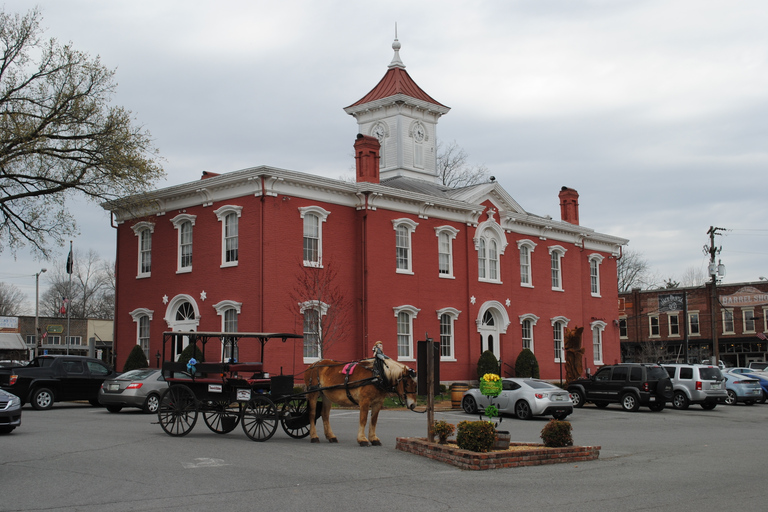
535 455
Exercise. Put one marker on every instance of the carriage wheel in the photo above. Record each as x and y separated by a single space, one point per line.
177 412
294 417
222 416
259 418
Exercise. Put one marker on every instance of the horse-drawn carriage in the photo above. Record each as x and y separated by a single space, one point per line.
230 393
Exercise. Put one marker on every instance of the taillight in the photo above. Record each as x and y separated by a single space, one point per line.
134 385
646 386
540 395
13 379
698 385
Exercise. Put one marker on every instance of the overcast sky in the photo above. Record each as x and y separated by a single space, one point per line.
655 111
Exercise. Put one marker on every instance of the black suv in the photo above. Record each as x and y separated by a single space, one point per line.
631 385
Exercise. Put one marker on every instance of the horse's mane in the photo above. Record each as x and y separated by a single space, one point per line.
393 370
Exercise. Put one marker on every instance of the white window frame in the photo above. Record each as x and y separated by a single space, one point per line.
321 308
559 324
532 320
556 255
624 321
651 326
410 227
222 214
691 315
594 273
140 229
597 327
751 313
410 312
727 313
526 248
322 215
670 323
178 223
450 337
449 232
137 314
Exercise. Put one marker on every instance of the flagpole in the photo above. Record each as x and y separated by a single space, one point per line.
69 292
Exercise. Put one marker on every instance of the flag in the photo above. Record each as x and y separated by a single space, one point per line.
69 260
762 336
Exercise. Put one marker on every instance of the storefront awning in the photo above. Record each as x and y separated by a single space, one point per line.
12 341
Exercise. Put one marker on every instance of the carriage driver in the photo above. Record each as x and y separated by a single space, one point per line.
378 361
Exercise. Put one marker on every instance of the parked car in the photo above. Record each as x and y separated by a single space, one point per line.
628 384
10 412
742 388
759 365
137 388
741 369
524 398
761 376
696 384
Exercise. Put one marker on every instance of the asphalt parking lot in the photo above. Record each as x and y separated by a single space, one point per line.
76 457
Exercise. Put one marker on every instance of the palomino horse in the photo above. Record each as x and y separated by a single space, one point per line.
359 388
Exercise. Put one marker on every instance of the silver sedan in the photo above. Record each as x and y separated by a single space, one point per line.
524 398
137 388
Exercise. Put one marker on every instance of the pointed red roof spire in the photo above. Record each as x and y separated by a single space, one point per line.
396 81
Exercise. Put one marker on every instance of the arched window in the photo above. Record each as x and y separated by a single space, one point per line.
445 237
447 317
490 242
404 228
594 273
405 316
556 253
597 340
526 327
229 216
314 217
183 224
144 230
526 249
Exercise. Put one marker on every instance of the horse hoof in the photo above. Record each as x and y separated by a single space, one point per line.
364 443
333 440
376 443
315 440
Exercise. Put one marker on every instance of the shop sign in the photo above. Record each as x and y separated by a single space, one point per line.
746 296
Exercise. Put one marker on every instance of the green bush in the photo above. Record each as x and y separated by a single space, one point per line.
476 436
557 434
487 364
136 359
526 365
189 352
443 430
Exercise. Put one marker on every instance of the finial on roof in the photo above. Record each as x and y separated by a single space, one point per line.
396 62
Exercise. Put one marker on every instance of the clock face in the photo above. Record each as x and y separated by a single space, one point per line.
378 132
418 133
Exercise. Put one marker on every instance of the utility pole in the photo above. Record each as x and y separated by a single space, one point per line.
714 271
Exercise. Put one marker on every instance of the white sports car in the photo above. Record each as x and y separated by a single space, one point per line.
524 398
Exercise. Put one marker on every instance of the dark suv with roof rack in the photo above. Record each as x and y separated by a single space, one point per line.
630 385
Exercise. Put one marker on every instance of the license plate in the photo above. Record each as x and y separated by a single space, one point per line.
114 387
652 399
244 394
559 398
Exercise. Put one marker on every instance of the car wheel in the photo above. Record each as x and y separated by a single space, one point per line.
560 416
42 399
657 406
577 398
680 401
152 404
601 405
731 398
469 404
762 399
708 406
630 403
523 410
114 408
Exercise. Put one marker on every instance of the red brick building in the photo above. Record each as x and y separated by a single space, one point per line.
665 324
394 256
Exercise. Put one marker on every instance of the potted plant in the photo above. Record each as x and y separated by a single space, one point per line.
443 430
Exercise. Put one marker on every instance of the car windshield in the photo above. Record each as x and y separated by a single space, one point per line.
710 373
139 374
538 384
656 373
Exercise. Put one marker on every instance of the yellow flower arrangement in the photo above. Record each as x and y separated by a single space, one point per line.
491 377
490 384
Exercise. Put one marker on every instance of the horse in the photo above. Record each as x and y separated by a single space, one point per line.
360 387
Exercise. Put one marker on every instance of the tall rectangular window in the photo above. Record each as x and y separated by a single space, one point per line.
493 261
144 335
185 245
674 325
446 336
557 334
728 321
311 239
403 248
482 260
693 324
312 334
594 277
404 337
557 283
230 238
749 320
145 251
444 254
654 326
527 335
525 265
597 344
623 327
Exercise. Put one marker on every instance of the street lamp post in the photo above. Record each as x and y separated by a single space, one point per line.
37 308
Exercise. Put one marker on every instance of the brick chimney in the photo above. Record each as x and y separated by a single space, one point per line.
367 158
569 205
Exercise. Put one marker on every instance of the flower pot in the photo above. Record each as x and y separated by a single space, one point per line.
502 440
492 388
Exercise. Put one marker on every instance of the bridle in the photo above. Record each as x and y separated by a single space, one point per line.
403 399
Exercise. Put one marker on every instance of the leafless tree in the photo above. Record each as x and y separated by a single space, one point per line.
693 276
453 169
91 293
633 271
12 300
317 289
59 136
